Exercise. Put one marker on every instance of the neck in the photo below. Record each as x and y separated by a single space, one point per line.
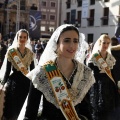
21 48
66 66
103 54
65 62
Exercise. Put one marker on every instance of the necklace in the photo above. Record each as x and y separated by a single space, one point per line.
22 55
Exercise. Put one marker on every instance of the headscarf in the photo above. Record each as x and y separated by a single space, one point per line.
97 44
49 52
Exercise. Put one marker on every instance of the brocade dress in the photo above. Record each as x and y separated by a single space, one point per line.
17 84
104 97
81 80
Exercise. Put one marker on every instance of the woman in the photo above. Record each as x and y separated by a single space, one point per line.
104 93
72 79
19 58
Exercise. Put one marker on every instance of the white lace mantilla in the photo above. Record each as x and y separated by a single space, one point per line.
110 60
82 82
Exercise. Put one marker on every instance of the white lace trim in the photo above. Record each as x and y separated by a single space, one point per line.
28 58
82 82
110 60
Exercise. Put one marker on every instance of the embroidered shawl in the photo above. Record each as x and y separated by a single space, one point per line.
82 82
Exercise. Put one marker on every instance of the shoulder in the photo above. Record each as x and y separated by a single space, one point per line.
83 67
10 50
29 51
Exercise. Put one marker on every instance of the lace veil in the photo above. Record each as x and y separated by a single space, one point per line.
97 45
14 45
49 52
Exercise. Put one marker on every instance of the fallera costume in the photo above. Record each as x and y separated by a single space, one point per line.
81 80
104 97
17 85
61 96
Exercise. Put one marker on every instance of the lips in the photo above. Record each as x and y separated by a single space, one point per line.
71 51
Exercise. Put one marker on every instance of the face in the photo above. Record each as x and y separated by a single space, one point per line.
22 38
104 44
68 44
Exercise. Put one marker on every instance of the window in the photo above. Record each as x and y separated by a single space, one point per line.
90 38
22 4
68 4
92 2
79 3
44 3
52 17
43 17
105 17
51 29
52 4
79 18
42 28
106 11
67 18
91 18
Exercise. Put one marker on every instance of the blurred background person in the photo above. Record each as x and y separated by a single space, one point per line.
39 49
3 50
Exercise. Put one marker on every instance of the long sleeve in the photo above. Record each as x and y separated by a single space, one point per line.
7 72
93 98
32 65
32 103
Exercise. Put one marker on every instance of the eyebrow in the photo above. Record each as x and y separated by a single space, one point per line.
67 38
70 38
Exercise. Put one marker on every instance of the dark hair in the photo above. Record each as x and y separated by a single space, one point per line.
68 28
23 30
114 41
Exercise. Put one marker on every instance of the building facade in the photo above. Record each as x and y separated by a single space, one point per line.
14 15
92 17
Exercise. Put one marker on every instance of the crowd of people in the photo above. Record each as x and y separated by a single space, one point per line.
60 82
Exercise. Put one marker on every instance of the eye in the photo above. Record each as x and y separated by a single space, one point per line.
20 36
67 40
76 40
